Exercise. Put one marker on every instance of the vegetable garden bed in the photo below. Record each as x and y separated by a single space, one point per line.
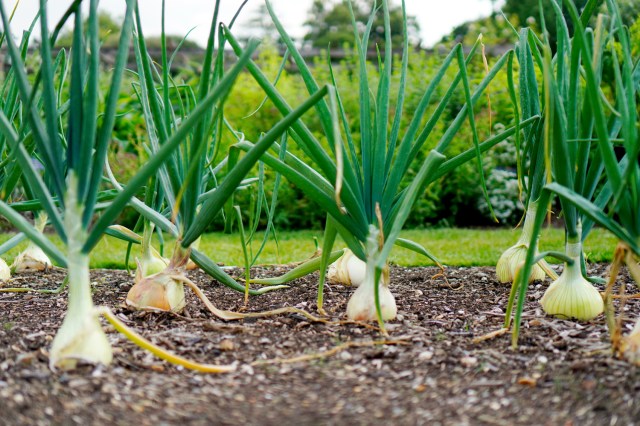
431 357
561 373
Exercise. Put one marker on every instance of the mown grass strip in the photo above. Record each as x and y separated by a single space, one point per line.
454 247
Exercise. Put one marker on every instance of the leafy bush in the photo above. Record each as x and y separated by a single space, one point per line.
454 200
503 191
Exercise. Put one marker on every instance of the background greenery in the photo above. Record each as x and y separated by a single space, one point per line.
454 200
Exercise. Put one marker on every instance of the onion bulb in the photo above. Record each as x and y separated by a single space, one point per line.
571 295
347 270
629 346
362 304
513 258
157 292
31 259
164 290
80 338
5 271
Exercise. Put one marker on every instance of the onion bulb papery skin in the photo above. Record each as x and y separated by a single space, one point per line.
514 257
5 271
347 270
80 338
31 259
162 291
629 347
158 292
571 295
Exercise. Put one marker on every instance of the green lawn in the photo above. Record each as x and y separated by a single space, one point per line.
454 247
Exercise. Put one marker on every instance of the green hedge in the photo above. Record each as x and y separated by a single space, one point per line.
454 200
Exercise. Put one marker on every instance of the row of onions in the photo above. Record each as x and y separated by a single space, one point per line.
587 147
566 134
63 133
60 125
362 184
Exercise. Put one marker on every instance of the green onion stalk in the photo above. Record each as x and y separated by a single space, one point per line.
259 203
193 196
530 166
610 128
80 338
191 265
364 186
71 144
151 262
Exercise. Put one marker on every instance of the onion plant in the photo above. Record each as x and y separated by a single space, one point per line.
613 126
192 194
567 131
530 166
10 171
71 144
361 184
569 126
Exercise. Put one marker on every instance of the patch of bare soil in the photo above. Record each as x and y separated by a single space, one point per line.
562 372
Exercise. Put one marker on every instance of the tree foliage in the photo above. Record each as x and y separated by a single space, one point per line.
329 24
528 12
109 34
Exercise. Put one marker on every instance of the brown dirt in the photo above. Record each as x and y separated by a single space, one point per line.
562 372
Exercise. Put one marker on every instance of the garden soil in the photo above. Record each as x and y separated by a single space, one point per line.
429 372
